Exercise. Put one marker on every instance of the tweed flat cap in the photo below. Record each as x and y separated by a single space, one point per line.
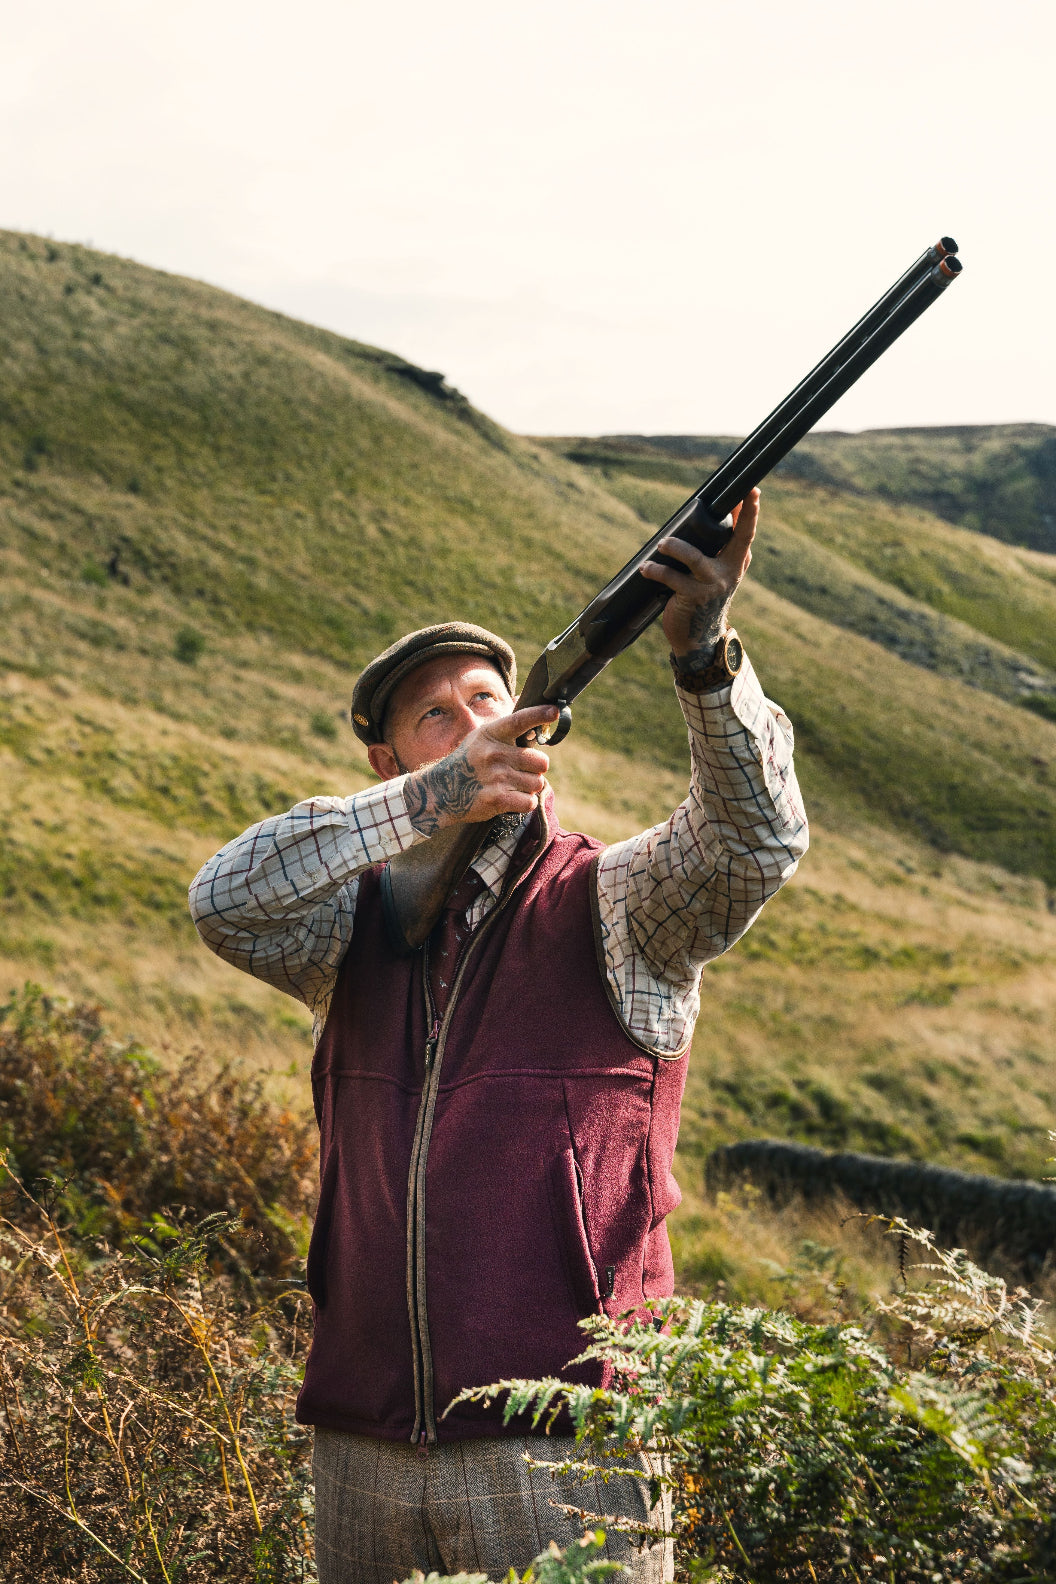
377 682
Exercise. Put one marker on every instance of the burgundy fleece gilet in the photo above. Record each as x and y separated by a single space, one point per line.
547 1179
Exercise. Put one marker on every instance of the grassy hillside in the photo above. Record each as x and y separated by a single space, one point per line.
999 479
210 516
926 571
956 627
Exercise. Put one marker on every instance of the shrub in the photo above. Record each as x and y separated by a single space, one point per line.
36 448
150 1347
1043 704
149 1431
92 572
803 1451
323 723
188 645
150 1351
123 1140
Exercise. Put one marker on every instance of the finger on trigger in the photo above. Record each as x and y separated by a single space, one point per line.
509 727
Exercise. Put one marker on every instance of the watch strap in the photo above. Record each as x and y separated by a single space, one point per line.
716 675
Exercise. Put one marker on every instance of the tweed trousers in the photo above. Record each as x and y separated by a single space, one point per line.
384 1510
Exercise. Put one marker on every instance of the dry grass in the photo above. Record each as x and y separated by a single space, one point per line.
118 1137
148 1405
152 1318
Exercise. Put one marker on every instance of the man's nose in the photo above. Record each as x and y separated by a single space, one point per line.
467 719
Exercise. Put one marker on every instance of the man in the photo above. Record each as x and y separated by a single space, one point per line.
498 1111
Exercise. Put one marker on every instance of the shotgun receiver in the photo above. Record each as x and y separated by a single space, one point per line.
417 883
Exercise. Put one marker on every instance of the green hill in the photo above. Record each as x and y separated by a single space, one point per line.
999 479
211 516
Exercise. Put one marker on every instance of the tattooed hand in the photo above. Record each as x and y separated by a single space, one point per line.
487 774
694 617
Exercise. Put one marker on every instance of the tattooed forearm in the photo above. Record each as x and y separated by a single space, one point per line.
443 793
705 630
453 784
694 660
419 812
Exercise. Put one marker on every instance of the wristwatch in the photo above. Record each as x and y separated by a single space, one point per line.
725 664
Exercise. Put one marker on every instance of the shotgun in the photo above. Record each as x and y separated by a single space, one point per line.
417 883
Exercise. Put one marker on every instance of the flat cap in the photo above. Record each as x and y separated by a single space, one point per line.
378 681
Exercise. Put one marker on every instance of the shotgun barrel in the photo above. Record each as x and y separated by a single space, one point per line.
724 492
629 603
782 414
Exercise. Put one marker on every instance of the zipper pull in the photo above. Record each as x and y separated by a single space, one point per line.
423 1445
431 1044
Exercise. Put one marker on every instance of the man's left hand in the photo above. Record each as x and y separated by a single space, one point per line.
694 617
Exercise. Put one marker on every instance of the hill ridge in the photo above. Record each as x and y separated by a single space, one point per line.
997 479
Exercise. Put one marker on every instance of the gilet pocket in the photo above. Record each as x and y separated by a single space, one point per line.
566 1203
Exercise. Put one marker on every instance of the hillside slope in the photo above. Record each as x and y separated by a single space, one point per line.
267 481
1007 594
210 516
998 479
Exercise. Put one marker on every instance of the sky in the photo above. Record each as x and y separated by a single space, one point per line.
593 218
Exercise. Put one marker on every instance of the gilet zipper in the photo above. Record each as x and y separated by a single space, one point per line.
424 1432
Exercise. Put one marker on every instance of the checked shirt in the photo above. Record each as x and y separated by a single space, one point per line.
279 900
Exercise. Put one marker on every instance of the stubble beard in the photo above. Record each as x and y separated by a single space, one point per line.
505 825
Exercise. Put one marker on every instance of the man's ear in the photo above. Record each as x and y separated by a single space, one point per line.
383 761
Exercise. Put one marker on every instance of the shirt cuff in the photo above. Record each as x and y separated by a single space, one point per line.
380 822
741 705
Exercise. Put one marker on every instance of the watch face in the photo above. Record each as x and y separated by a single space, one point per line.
734 656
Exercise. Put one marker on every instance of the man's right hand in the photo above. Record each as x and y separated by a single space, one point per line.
487 774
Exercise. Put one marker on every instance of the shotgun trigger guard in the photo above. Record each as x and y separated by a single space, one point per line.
547 736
